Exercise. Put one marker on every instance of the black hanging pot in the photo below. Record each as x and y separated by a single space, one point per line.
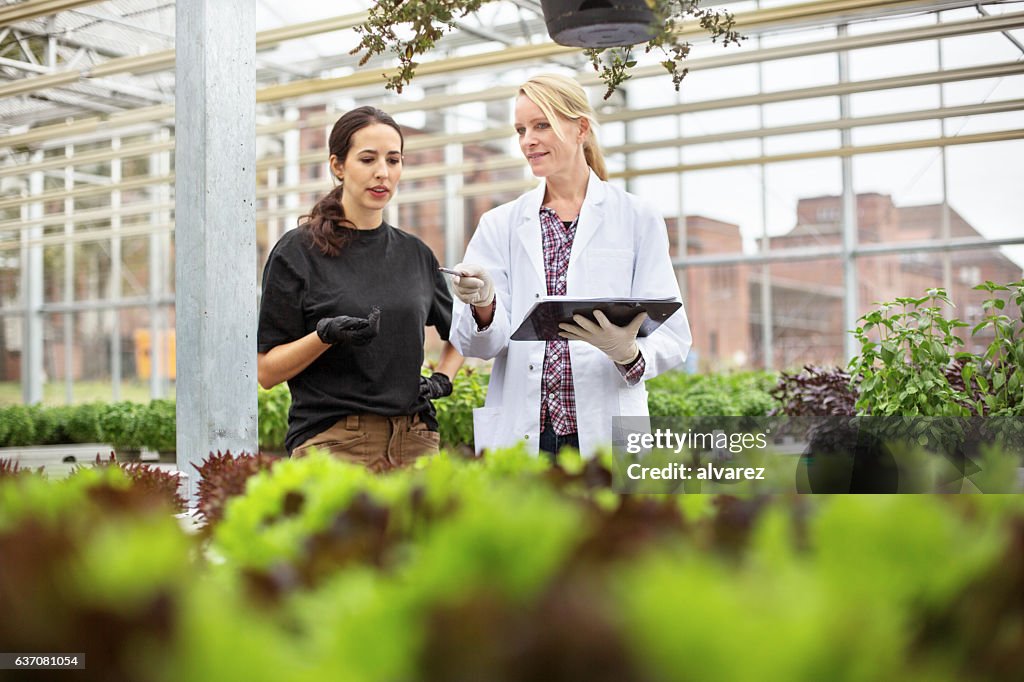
598 23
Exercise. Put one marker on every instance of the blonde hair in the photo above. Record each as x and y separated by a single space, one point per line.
559 95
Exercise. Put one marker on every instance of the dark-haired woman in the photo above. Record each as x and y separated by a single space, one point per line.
346 298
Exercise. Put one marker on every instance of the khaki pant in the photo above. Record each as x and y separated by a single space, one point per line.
378 443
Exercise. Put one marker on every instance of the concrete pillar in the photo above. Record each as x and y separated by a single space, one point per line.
215 219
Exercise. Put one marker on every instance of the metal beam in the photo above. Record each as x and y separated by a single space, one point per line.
126 152
164 59
33 9
807 253
61 131
977 138
831 90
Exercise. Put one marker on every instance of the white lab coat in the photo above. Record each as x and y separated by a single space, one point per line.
620 250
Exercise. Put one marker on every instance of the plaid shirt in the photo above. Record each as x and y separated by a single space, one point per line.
558 399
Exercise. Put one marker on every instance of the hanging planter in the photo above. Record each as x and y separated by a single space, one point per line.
603 27
599 23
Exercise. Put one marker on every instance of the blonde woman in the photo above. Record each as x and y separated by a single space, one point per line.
576 235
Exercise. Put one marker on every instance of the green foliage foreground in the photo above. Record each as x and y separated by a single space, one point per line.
132 426
508 569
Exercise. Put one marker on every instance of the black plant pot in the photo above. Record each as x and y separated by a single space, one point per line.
598 23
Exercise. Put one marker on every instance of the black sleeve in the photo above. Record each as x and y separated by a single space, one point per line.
440 316
281 318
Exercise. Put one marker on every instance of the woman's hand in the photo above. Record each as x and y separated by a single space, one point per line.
435 386
476 288
618 343
357 331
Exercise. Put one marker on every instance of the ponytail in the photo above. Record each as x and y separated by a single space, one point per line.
592 153
326 224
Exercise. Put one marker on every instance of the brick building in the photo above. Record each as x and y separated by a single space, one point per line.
723 302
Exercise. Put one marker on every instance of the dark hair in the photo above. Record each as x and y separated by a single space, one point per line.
326 223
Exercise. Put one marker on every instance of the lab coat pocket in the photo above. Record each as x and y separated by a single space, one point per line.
486 425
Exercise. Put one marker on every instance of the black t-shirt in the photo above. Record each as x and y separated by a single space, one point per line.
384 267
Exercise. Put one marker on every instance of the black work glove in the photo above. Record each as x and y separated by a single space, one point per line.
357 331
435 386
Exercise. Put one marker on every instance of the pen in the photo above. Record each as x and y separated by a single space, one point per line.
452 272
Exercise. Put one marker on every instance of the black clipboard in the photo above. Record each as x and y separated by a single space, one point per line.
542 320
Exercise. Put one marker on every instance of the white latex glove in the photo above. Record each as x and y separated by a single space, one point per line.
475 289
618 343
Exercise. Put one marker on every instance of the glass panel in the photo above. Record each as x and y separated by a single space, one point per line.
984 90
56 365
917 98
973 50
801 111
136 353
894 60
985 191
720 310
53 273
724 202
92 341
789 185
800 72
890 182
10 358
135 266
91 201
92 270
807 313
896 132
10 278
804 142
711 122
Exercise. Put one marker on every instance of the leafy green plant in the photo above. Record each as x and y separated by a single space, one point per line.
429 20
996 374
156 426
83 424
274 404
120 425
18 425
743 394
86 556
455 413
49 424
915 366
903 372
